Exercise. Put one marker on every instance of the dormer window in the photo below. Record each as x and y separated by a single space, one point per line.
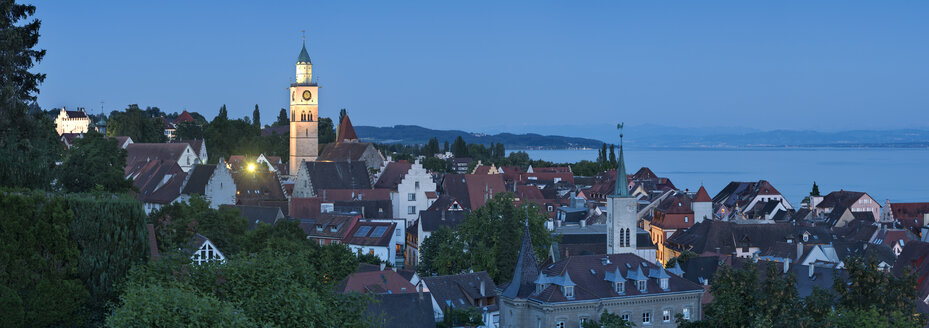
664 283
640 285
539 288
569 291
619 287
806 237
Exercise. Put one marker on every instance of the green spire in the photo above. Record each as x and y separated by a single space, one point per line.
622 186
304 56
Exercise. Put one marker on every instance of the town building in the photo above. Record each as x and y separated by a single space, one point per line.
376 238
211 181
464 291
71 121
412 188
758 201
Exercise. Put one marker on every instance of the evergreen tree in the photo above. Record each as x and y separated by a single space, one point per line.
282 118
342 114
445 147
256 118
459 147
602 159
815 191
501 151
223 114
18 40
613 156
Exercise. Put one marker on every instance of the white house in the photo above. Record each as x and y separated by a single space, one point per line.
375 238
412 188
71 121
213 182
205 251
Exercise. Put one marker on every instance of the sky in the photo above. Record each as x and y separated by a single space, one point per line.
492 66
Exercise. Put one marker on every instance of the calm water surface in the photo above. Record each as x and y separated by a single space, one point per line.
901 175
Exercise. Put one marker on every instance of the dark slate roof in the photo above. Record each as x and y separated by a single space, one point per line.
75 114
526 272
346 130
393 174
257 186
706 236
197 179
857 230
462 290
433 220
740 193
402 310
588 274
146 152
330 225
701 267
841 198
304 56
368 208
472 190
338 175
195 144
345 151
159 182
260 214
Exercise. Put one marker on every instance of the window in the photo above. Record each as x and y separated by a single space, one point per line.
647 318
411 210
664 283
416 184
686 312
640 284
560 324
569 291
620 287
666 315
398 232
583 321
806 237
411 197
625 317
686 219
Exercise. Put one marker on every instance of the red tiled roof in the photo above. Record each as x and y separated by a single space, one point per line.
377 282
368 238
482 187
184 118
304 208
909 214
702 196
346 130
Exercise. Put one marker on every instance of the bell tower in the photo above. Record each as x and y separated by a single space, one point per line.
622 211
304 114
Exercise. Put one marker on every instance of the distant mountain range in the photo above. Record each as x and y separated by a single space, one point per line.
412 134
651 136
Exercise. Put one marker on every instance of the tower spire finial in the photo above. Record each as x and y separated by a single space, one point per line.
304 35
621 188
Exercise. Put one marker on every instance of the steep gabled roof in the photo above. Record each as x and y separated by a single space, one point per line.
304 56
526 272
198 178
702 196
841 198
402 310
145 152
346 131
185 117
338 175
345 151
393 174
461 290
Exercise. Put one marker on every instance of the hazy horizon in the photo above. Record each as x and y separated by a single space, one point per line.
503 67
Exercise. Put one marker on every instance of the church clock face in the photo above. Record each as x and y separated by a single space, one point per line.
307 95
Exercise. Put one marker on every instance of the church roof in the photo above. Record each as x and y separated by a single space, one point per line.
184 117
621 186
702 196
304 56
526 273
346 130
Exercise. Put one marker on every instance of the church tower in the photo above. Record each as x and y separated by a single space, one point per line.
304 114
622 212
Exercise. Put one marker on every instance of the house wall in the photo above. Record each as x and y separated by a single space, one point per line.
303 187
416 175
188 159
867 204
220 190
381 252
522 313
702 211
762 198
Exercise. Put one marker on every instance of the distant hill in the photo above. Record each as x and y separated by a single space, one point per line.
412 134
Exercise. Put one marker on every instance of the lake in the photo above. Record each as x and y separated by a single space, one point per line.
901 175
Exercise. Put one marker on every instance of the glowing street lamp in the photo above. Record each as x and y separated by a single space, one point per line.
251 167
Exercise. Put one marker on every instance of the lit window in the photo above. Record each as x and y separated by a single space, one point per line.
664 283
666 315
647 317
686 219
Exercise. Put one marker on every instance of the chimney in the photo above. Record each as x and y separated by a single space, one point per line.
383 265
786 265
443 215
483 287
419 289
812 269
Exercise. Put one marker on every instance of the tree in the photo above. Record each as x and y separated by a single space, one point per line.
256 118
445 147
29 145
500 151
136 124
608 320
872 289
342 114
613 156
18 42
603 159
459 147
178 223
461 317
94 162
189 131
442 253
326 131
435 164
815 191
431 148
223 114
173 306
282 118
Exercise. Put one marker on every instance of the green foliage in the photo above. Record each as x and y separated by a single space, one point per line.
110 232
815 191
435 164
492 235
431 148
270 288
178 222
171 306
872 289
189 131
40 264
137 124
93 163
456 317
459 147
256 118
282 118
442 254
29 147
17 39
608 320
326 131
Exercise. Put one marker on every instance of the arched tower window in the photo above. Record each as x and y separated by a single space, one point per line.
310 117
628 243
293 116
622 236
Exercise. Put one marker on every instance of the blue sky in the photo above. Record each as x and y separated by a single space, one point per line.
504 66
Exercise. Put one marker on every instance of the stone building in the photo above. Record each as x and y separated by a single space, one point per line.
71 121
410 188
577 289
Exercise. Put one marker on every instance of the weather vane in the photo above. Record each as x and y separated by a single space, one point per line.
304 34
620 128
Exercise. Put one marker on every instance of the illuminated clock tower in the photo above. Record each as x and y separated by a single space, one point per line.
304 114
